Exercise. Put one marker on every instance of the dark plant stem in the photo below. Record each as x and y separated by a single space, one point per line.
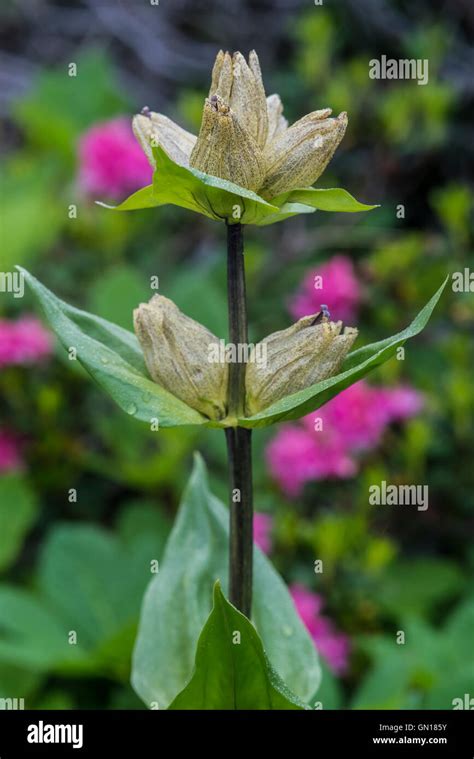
239 439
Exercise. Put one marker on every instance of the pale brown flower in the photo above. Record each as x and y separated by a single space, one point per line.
309 351
176 350
244 136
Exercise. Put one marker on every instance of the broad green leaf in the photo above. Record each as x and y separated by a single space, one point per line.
31 636
86 577
88 581
141 524
357 365
231 670
178 601
113 358
222 200
142 198
18 683
95 582
192 189
334 199
18 508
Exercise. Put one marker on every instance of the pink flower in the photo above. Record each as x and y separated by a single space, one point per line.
333 284
333 645
401 402
112 163
10 456
325 443
262 527
297 455
358 416
24 341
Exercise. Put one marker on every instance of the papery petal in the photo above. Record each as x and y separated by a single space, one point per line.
276 121
295 358
156 130
225 148
177 352
299 155
221 82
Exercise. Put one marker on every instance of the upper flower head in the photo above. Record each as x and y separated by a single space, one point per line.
244 136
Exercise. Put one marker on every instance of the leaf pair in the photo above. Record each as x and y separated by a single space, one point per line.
113 357
177 605
222 200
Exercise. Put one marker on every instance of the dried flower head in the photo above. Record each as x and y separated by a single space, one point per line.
309 351
176 350
244 136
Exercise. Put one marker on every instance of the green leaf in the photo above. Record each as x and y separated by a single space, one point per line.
113 358
334 199
357 365
178 602
218 198
232 670
18 683
18 508
416 586
142 198
213 197
88 581
31 636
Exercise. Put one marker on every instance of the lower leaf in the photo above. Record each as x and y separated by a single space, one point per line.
232 670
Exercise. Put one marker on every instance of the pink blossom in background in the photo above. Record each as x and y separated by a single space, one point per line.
262 527
10 455
401 402
24 341
112 163
333 645
353 421
339 290
297 455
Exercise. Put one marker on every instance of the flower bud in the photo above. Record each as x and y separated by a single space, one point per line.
240 85
297 156
225 149
309 351
176 350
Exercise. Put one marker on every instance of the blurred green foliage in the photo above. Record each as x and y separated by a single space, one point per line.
80 566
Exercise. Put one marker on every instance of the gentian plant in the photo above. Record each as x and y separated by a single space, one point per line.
246 166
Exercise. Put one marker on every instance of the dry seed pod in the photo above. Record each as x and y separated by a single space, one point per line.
225 149
309 351
177 355
298 156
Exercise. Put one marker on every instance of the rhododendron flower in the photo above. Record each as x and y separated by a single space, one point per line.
334 284
325 444
10 454
24 341
400 402
296 456
262 527
112 163
333 645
